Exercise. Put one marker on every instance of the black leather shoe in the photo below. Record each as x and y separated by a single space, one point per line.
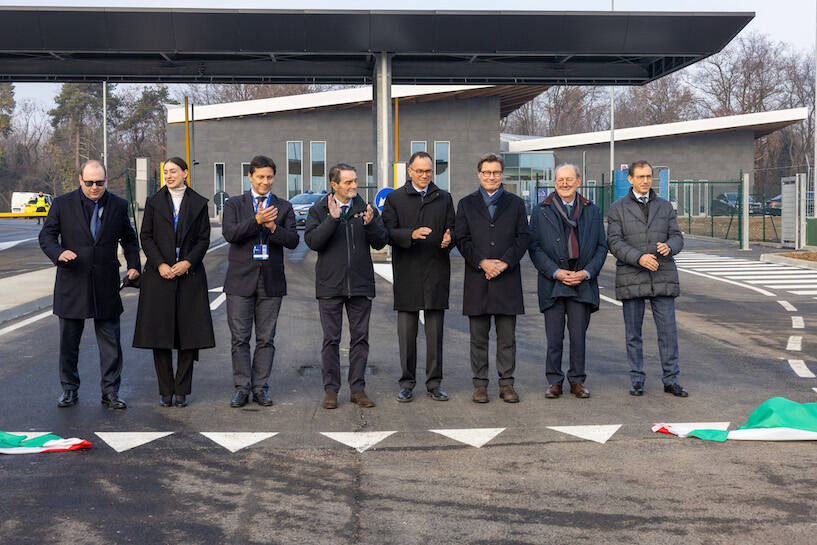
68 398
166 401
437 394
405 395
676 390
637 389
112 401
263 398
239 399
181 400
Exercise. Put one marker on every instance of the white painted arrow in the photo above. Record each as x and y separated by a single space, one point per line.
476 437
599 434
122 441
218 289
359 440
235 441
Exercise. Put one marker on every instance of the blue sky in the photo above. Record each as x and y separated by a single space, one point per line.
790 21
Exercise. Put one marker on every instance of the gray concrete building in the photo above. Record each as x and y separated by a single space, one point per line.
306 134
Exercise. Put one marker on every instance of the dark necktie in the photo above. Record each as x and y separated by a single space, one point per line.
260 199
569 208
343 210
643 199
95 221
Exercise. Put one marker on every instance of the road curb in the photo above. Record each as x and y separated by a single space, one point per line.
777 258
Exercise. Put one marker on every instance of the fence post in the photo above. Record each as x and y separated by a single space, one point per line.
744 212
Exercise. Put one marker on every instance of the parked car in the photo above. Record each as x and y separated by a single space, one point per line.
726 204
774 206
301 203
31 206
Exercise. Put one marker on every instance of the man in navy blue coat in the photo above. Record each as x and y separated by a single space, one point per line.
80 236
568 248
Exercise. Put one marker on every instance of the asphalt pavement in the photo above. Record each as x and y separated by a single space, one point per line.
541 471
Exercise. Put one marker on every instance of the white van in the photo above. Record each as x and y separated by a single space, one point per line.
19 199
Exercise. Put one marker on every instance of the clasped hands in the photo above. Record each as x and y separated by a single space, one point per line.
421 233
492 268
570 278
650 261
167 272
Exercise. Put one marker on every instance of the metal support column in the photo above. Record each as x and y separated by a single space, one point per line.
382 113
105 125
744 212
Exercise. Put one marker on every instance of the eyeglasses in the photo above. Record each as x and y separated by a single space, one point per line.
421 172
491 173
89 183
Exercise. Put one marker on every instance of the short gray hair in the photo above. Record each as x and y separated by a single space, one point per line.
568 165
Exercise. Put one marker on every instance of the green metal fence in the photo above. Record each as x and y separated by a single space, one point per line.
713 208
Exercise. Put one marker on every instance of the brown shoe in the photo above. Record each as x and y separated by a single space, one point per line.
330 400
553 391
361 399
508 394
480 394
579 391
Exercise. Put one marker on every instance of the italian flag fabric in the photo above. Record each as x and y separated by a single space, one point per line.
776 419
21 444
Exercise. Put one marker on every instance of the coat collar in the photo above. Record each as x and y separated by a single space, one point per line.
190 207
76 198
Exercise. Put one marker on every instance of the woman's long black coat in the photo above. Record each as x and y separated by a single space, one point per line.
181 302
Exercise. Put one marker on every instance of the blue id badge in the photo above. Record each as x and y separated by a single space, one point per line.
260 252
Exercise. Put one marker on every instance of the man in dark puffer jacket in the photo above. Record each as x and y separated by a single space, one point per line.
643 235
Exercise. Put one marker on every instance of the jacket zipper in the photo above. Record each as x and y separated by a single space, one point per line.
348 262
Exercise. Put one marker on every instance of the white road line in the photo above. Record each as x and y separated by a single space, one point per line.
788 306
815 390
755 274
218 301
791 286
787 280
610 300
797 322
217 246
762 292
800 369
12 243
25 322
753 268
795 343
804 292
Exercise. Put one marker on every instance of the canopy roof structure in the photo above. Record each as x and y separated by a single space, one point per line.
761 124
425 47
510 97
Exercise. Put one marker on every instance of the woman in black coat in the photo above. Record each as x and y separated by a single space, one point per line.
174 309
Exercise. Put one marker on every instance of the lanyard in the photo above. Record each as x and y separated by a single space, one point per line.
255 207
176 216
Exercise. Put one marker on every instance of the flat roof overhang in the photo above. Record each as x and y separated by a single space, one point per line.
339 47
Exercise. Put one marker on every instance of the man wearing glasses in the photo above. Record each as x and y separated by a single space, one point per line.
419 218
80 235
491 233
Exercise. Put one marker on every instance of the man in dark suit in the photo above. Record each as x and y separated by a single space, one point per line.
419 218
491 232
341 227
568 248
643 235
258 225
80 235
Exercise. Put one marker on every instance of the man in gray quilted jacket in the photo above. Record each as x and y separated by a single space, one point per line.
643 235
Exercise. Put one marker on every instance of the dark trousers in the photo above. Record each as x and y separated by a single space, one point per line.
110 353
183 380
358 310
241 313
505 326
578 318
407 338
663 312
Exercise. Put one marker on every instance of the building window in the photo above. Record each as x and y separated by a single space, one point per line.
295 181
218 177
371 188
245 177
442 169
417 145
317 156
